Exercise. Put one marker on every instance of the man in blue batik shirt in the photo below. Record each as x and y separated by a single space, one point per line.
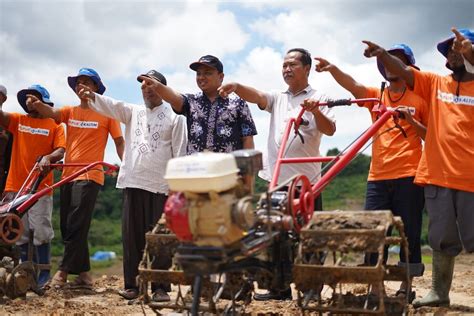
214 123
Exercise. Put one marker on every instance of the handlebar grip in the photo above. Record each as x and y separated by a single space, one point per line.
339 102
304 122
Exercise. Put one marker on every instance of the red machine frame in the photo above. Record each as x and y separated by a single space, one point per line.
303 205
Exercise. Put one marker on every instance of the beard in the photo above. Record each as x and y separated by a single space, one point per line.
458 70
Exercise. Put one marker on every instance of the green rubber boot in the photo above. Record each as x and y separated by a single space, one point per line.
443 268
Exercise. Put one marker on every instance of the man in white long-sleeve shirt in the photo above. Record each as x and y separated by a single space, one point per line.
153 135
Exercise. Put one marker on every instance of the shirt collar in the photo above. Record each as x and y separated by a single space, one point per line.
304 91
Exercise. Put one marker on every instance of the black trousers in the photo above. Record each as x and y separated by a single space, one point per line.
141 211
76 207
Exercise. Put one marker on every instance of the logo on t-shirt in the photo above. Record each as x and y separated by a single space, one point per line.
451 98
33 130
83 124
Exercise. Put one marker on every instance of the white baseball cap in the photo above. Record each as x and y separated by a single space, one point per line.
3 90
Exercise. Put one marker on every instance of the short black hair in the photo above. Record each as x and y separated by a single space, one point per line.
305 55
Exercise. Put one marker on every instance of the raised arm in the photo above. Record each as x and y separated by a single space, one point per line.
342 78
391 63
463 45
174 98
247 93
44 109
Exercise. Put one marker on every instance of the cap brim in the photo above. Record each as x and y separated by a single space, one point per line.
21 96
72 82
145 75
194 66
443 46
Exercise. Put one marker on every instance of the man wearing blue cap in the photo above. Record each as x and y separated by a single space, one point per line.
87 134
214 123
154 134
33 137
463 45
395 153
6 142
446 165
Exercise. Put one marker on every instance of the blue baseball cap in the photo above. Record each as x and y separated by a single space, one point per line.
443 47
21 95
406 50
91 73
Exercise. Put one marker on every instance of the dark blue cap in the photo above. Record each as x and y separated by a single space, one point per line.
405 50
208 60
91 73
21 95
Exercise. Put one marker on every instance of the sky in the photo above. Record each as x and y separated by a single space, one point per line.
45 41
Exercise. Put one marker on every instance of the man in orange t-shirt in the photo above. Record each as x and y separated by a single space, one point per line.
34 137
447 164
87 133
395 153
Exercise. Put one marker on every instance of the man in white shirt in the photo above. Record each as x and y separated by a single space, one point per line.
283 106
153 135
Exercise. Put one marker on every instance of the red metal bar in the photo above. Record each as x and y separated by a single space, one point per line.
297 122
28 203
281 151
346 158
309 159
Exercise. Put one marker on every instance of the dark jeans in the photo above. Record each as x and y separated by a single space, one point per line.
141 211
76 207
404 199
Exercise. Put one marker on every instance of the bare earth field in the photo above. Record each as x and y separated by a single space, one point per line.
104 300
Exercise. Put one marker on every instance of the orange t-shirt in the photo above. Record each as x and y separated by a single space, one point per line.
448 158
32 137
393 155
87 133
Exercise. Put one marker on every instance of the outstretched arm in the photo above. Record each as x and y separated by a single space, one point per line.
169 95
464 46
247 93
390 62
342 78
44 109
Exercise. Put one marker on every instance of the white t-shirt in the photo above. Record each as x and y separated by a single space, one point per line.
283 106
152 137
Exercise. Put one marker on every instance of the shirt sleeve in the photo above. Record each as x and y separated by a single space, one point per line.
247 125
13 123
370 92
59 137
115 109
114 128
186 106
179 136
468 65
271 99
423 83
65 112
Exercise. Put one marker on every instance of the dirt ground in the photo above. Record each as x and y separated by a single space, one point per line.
103 299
